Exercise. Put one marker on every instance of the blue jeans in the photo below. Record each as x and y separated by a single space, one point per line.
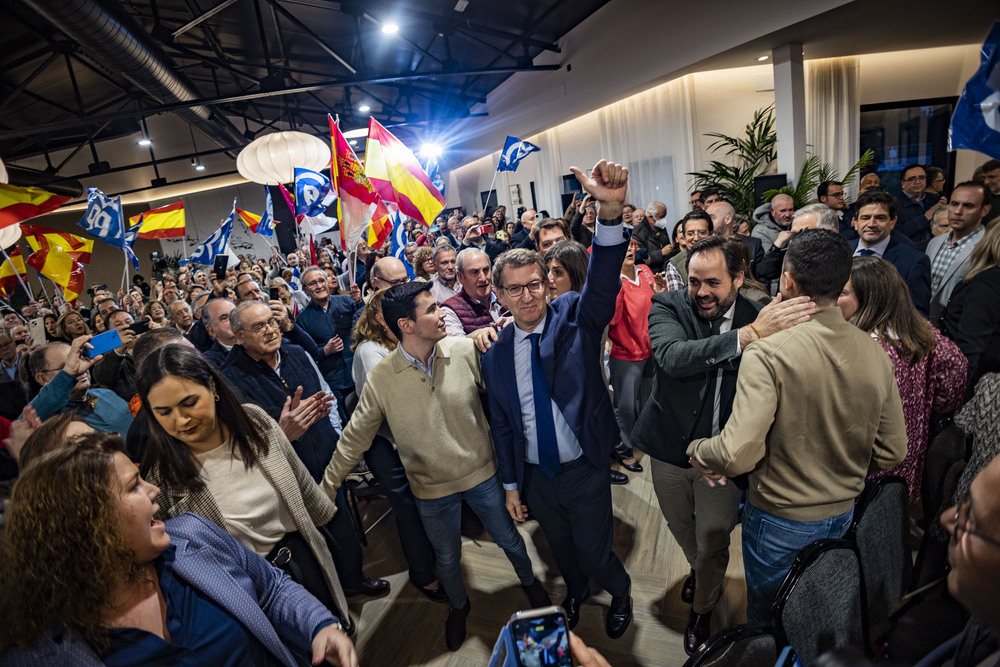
442 519
770 545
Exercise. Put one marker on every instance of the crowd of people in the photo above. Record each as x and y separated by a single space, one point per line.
182 496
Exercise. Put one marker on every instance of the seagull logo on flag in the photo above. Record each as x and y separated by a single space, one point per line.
216 244
313 193
514 150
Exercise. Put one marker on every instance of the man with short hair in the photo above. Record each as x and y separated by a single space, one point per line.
709 196
723 216
547 233
523 232
550 414
698 337
696 203
444 284
914 205
813 216
426 391
696 225
216 319
388 272
832 195
409 250
950 253
116 369
816 408
991 179
476 306
652 234
62 372
771 219
874 222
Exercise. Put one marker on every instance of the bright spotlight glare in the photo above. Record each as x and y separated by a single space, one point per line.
762 59
144 141
199 167
430 150
364 108
390 28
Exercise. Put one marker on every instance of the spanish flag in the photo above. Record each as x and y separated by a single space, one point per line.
10 270
58 266
251 219
77 247
166 222
380 228
398 177
17 204
356 195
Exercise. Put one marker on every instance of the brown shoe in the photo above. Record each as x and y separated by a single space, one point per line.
697 631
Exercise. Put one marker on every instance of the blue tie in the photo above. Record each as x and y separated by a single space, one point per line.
866 251
545 425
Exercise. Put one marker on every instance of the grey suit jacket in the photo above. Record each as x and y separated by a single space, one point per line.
956 271
308 506
686 357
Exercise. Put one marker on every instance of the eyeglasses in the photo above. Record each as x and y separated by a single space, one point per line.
315 283
839 195
914 178
962 514
534 287
261 327
397 281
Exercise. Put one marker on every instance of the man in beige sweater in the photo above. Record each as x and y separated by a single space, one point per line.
816 407
427 391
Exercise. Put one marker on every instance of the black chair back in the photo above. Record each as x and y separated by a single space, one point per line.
820 606
753 645
880 529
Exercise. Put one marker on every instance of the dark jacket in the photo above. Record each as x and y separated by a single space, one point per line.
914 266
216 354
337 320
263 386
687 358
972 320
651 242
117 373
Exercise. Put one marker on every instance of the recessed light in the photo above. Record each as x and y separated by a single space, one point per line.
144 141
390 28
364 108
762 59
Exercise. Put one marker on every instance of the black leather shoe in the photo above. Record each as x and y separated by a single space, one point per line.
697 631
619 615
687 589
454 627
572 606
631 467
537 596
370 587
436 594
618 477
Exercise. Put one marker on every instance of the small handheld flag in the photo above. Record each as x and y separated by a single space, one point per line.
312 192
103 218
975 124
216 244
514 150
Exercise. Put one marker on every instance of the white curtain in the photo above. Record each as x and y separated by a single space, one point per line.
833 111
549 170
654 134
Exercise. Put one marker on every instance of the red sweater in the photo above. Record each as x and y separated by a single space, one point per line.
629 329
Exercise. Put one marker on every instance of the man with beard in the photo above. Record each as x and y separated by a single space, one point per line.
698 336
653 235
816 408
771 219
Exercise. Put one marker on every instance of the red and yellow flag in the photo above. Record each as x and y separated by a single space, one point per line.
17 204
251 219
59 267
77 247
398 177
166 222
381 227
10 270
356 196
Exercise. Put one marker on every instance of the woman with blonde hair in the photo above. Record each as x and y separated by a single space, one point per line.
70 326
972 316
929 368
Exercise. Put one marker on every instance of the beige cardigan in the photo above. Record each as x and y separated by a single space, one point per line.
438 424
296 489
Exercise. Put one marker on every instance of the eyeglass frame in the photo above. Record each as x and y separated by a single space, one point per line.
910 179
963 525
261 327
517 290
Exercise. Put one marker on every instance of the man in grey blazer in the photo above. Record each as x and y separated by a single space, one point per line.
698 336
949 253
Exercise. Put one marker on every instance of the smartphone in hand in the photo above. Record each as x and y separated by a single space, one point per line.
105 342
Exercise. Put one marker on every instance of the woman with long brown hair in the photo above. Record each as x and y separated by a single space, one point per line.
930 369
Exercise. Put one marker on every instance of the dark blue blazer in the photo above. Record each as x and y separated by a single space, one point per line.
571 353
914 266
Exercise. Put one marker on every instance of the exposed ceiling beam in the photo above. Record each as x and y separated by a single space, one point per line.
204 16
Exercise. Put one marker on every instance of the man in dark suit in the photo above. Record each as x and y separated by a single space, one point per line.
915 206
698 336
876 218
551 417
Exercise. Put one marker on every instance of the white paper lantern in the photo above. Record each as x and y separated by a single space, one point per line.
272 159
9 236
3 172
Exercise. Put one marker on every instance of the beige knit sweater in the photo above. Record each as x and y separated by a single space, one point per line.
438 424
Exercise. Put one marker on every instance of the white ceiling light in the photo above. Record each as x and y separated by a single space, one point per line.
272 158
390 28
762 59
144 141
364 108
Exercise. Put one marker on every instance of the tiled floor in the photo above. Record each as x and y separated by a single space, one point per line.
405 628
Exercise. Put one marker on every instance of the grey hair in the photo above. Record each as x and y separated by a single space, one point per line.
236 315
310 270
442 248
515 259
206 311
466 255
654 207
828 218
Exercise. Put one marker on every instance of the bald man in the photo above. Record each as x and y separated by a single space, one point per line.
723 215
771 219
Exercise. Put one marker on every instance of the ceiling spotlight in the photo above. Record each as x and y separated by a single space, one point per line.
430 150
354 142
364 108
196 163
390 28
762 59
144 141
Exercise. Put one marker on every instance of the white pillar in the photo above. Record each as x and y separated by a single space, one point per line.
789 109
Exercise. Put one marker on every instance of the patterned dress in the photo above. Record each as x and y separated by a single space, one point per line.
936 383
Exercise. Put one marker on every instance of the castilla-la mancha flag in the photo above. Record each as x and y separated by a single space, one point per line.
356 196
398 176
